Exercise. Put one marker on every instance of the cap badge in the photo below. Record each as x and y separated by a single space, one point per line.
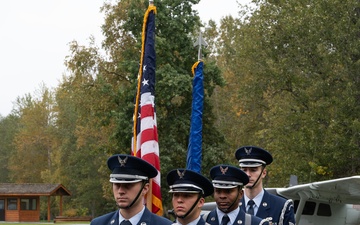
181 174
223 170
122 161
248 151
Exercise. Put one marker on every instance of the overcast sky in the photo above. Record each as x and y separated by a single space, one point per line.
35 35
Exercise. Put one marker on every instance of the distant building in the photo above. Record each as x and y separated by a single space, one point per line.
21 202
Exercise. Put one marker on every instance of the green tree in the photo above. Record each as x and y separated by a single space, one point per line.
228 106
34 140
297 66
84 128
8 128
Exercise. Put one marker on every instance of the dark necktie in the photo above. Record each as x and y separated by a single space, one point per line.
125 222
225 220
251 204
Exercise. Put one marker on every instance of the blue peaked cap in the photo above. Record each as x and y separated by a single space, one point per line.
130 169
252 156
188 181
227 176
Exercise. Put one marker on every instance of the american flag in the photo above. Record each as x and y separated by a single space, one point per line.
145 139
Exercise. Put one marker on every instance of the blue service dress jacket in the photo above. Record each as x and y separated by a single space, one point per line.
201 222
271 207
148 218
213 219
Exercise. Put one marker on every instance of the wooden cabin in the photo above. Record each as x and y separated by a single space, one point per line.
21 202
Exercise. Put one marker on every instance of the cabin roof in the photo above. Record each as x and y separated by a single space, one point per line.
33 189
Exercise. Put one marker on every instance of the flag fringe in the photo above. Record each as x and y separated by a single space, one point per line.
158 203
193 68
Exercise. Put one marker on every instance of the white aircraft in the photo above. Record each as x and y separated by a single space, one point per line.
331 202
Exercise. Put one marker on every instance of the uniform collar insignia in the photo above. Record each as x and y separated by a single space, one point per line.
223 170
122 161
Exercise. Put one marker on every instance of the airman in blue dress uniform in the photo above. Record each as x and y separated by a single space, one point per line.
130 181
253 161
189 190
228 182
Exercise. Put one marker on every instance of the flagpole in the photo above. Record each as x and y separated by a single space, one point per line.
199 50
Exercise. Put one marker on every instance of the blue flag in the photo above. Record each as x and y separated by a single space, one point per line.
194 154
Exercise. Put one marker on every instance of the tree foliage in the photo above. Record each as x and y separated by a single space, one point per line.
34 140
8 128
296 69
